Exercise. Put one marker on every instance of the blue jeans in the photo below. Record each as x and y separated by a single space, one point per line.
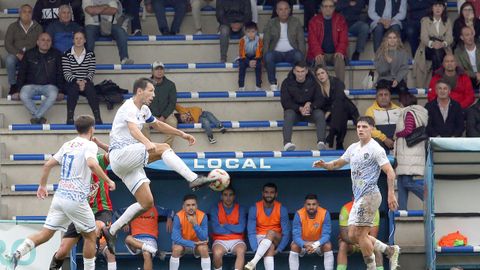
273 57
180 7
27 93
118 34
243 64
12 64
378 32
405 183
207 119
412 33
360 30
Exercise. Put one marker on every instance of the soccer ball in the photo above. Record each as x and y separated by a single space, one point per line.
222 179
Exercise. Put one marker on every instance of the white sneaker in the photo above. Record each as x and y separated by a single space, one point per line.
289 147
394 258
321 146
258 88
273 87
241 89
126 61
199 32
249 266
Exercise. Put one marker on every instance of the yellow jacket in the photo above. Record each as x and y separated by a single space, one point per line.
383 116
195 112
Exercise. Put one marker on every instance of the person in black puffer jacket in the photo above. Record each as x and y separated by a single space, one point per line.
473 120
337 107
302 100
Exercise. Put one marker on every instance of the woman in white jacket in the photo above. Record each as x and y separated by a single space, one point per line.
410 160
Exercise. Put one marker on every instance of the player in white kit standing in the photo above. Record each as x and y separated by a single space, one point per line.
78 159
366 159
130 151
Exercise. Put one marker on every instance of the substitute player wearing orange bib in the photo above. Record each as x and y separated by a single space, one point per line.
143 235
228 220
268 228
190 234
311 233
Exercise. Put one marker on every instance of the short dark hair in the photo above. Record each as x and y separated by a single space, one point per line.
83 123
301 63
367 119
311 196
230 187
25 5
141 83
189 197
383 85
251 25
270 185
80 31
444 82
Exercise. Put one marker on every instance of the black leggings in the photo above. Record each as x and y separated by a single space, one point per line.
73 91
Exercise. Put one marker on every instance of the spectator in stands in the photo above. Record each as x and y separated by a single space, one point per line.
467 17
22 35
165 99
228 220
190 234
468 56
410 159
473 120
283 41
337 107
475 3
311 230
310 8
385 15
250 55
197 5
232 16
459 82
445 115
274 3
143 234
132 12
191 115
62 30
45 12
40 73
328 39
268 228
78 66
391 63
352 11
106 11
158 7
385 113
302 99
345 247
416 10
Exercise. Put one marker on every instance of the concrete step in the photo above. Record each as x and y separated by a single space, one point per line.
17 205
240 139
194 79
258 109
178 51
409 231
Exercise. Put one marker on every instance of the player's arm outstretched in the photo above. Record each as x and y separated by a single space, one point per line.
42 192
331 165
98 171
392 200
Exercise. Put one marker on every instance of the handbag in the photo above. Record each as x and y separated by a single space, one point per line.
417 136
105 25
367 82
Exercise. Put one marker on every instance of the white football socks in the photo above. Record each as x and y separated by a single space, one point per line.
293 260
268 263
25 247
328 260
175 163
371 265
380 246
112 266
89 264
206 264
261 250
174 263
126 217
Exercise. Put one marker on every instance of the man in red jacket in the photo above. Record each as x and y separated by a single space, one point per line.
460 83
328 39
